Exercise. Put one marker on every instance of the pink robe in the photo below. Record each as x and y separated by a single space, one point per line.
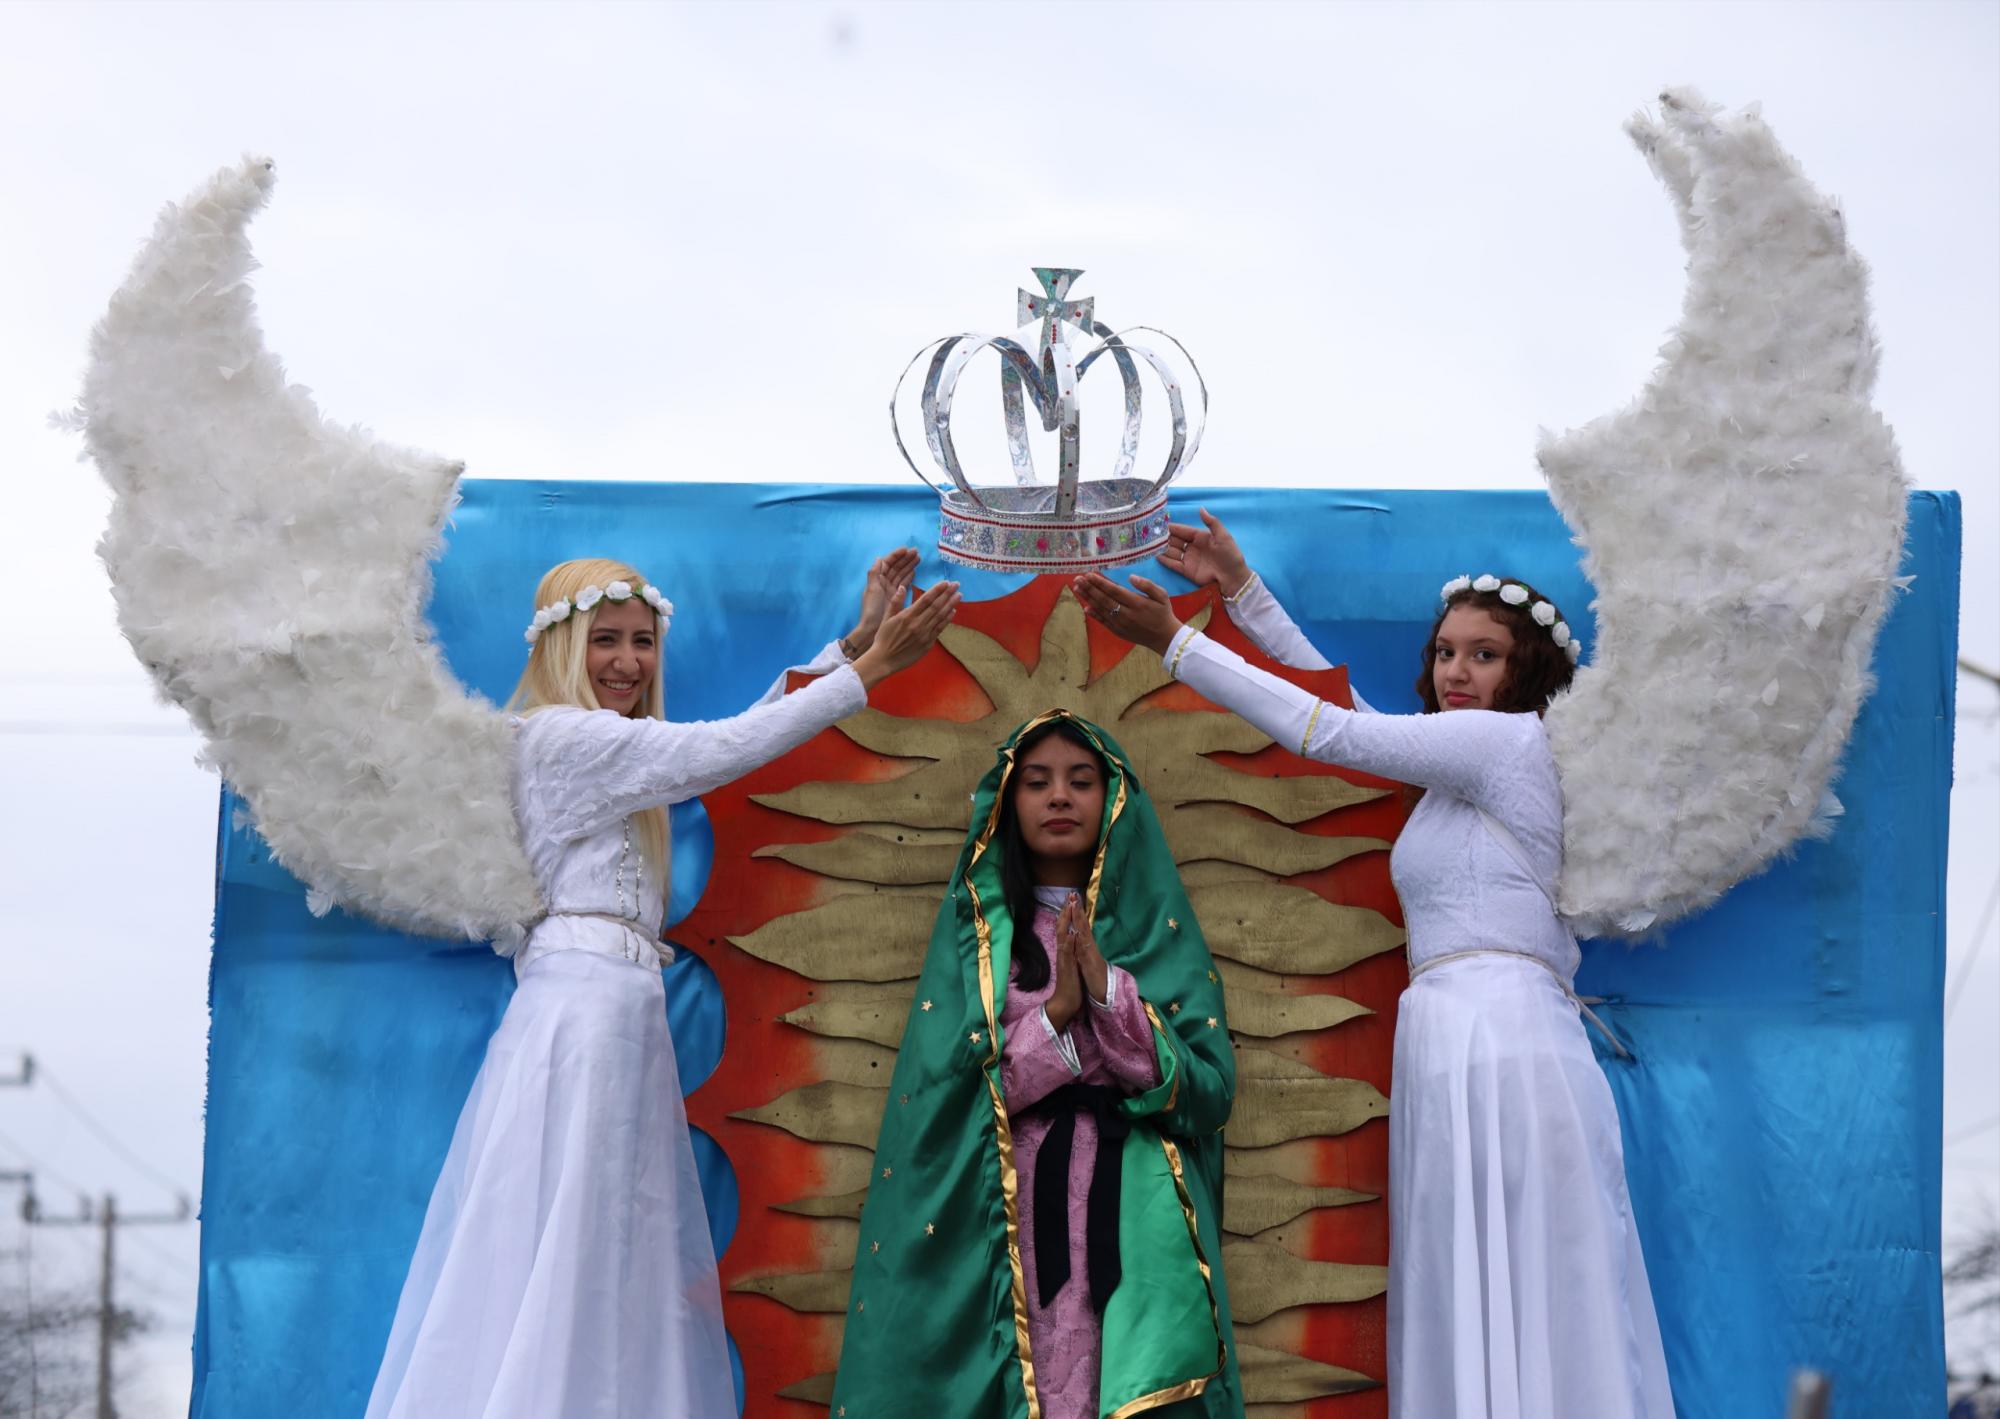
1114 1046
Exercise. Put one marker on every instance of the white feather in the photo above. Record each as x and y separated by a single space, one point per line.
271 571
1742 523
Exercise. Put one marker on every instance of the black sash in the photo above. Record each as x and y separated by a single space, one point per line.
1107 1181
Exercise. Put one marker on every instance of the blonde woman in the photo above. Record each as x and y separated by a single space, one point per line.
565 1268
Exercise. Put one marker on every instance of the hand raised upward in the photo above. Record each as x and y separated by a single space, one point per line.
886 589
906 635
1206 555
1144 616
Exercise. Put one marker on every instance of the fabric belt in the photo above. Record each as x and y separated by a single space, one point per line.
1107 1182
1580 1002
634 942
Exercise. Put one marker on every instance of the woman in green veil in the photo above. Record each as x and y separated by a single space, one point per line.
1040 1236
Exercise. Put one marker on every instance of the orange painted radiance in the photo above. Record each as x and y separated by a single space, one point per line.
764 1057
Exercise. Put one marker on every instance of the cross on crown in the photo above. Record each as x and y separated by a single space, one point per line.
1053 306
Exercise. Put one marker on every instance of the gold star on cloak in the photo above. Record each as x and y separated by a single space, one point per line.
930 1229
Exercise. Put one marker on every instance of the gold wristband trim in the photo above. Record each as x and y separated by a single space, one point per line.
1311 724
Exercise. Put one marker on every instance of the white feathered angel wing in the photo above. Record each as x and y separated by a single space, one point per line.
271 570
1742 523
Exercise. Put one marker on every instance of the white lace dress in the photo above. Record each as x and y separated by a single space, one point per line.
564 1270
1517 1289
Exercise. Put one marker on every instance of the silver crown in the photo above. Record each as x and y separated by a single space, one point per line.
1028 526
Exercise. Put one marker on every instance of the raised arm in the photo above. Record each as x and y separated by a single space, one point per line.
1258 614
1458 752
1208 556
611 766
885 589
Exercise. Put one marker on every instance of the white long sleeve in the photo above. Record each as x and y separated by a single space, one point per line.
1466 753
1260 616
586 770
830 658
1460 889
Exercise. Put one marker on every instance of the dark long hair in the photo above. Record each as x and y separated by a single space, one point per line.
1017 872
1537 668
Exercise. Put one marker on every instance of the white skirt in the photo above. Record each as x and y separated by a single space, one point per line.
1516 1285
565 1269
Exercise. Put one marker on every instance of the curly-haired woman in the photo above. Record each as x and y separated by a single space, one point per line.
1517 1289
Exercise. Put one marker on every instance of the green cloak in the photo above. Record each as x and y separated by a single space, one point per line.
937 1320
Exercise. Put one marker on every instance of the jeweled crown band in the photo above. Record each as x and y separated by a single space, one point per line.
1515 593
998 538
563 608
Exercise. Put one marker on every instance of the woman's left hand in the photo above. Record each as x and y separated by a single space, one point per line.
1073 926
1144 616
887 589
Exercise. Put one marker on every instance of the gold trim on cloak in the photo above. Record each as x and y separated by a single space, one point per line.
1010 1183
1186 1389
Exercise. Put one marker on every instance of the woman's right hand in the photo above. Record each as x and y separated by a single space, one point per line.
908 634
886 589
1206 555
1067 998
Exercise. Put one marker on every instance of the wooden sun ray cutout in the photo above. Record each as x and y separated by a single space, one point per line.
829 866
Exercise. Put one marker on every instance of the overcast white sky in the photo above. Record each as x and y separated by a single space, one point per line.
658 242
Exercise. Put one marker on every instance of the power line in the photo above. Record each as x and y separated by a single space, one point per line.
1978 940
106 1137
111 1321
160 1253
40 1167
171 1301
1973 1132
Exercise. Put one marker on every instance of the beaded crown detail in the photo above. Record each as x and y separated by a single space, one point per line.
1076 525
562 608
1514 593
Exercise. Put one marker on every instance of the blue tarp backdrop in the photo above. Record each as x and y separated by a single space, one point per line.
1782 1120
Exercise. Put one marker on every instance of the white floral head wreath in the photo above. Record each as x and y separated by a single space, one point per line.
563 608
1516 594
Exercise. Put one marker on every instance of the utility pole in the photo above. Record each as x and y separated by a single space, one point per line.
105 1312
27 1074
27 1181
108 1218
